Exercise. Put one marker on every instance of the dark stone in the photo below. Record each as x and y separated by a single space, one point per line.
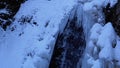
112 14
12 7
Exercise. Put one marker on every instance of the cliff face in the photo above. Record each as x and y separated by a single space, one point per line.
8 8
112 14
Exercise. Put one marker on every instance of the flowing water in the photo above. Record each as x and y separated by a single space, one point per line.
69 47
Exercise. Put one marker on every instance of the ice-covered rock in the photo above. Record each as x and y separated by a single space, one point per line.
102 47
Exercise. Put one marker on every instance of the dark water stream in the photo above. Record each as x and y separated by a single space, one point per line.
69 47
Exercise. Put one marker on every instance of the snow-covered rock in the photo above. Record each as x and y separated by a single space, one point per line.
96 4
102 47
30 39
97 64
107 34
95 32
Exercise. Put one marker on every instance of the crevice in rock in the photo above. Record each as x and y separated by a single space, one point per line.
69 46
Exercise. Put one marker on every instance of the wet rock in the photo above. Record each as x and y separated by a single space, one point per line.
69 47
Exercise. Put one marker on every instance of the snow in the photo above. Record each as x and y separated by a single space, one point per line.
105 41
31 45
96 4
95 32
91 47
97 64
100 37
107 34
107 52
93 13
103 47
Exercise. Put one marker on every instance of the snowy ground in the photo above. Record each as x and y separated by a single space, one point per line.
29 41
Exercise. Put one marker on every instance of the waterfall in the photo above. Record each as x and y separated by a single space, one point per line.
70 44
87 18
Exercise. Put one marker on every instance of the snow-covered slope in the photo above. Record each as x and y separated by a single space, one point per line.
29 41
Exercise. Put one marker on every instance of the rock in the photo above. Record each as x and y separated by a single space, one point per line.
8 8
113 15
